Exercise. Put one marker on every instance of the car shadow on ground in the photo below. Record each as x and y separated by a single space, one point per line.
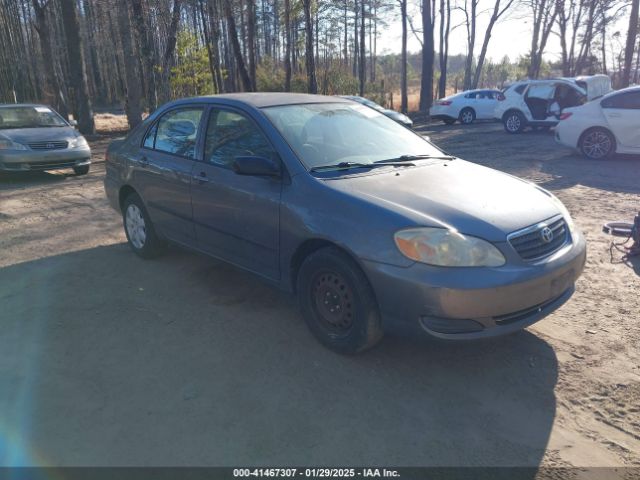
187 361
17 180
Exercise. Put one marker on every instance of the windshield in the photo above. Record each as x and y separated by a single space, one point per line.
29 117
333 133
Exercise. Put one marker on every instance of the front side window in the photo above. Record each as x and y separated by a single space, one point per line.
230 135
625 100
330 133
176 132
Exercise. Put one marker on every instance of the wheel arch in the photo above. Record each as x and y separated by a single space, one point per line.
598 127
473 110
513 110
309 246
124 192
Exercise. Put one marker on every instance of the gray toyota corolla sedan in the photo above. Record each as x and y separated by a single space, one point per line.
35 137
373 227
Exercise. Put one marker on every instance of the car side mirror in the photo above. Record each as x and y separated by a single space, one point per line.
74 123
256 166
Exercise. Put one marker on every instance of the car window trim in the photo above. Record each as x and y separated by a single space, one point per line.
239 111
617 95
190 106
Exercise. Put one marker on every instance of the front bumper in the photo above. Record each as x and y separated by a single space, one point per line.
25 161
469 303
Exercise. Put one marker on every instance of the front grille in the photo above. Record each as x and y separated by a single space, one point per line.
531 244
51 145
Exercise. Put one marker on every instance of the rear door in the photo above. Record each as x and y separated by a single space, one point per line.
237 217
622 112
162 171
485 104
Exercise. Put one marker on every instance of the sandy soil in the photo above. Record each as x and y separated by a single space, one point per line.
106 359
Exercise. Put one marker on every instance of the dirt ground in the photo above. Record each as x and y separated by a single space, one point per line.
106 359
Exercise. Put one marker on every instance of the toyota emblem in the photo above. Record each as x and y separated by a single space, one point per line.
50 146
546 234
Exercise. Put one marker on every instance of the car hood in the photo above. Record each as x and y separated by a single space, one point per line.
27 135
473 199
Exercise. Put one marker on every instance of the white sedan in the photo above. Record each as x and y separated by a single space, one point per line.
466 106
605 126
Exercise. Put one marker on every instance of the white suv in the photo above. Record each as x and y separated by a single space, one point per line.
539 103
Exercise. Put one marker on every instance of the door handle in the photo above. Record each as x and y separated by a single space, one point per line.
614 115
144 161
201 178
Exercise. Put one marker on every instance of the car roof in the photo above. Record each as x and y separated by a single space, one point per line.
632 88
265 99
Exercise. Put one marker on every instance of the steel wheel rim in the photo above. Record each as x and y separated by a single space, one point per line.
513 123
136 228
596 145
332 299
467 117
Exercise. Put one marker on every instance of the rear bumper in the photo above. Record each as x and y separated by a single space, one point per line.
25 161
469 303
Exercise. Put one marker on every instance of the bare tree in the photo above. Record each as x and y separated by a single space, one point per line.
312 84
632 34
288 40
426 83
77 67
543 15
445 27
495 16
403 68
469 9
132 83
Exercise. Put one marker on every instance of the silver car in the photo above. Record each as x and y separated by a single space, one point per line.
35 137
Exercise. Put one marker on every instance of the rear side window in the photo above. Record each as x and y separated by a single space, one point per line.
626 100
176 132
231 135
471 95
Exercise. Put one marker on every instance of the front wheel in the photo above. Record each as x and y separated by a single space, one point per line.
467 116
82 170
337 302
597 144
141 235
514 122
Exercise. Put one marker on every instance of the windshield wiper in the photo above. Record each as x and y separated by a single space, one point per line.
350 165
411 158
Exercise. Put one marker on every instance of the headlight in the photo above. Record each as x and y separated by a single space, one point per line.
6 144
447 248
78 142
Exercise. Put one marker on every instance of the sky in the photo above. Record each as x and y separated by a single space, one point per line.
511 36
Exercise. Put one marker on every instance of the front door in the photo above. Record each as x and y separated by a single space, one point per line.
162 172
237 217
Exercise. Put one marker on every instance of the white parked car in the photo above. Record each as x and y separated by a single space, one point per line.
466 106
603 127
539 103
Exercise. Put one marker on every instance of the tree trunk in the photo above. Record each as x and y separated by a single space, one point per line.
77 68
403 69
132 84
251 40
426 83
311 66
147 52
235 44
46 44
632 33
445 25
471 42
363 66
287 45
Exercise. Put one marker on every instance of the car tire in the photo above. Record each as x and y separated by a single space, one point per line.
141 234
83 170
467 116
514 122
597 144
449 121
337 302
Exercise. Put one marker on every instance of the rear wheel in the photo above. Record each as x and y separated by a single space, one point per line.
514 122
337 302
141 235
82 170
467 116
597 144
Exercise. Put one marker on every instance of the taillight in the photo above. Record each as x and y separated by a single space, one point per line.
444 102
500 97
564 116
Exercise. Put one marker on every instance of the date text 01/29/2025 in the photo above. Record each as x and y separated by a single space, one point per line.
315 472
